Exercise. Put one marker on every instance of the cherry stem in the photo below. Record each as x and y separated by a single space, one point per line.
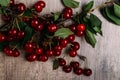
17 24
15 47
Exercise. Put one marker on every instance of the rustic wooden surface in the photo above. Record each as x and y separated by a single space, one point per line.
104 60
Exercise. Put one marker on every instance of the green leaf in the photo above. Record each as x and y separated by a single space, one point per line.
28 34
111 16
90 38
1 11
63 32
96 29
117 10
56 16
71 3
22 25
88 6
55 64
28 12
4 2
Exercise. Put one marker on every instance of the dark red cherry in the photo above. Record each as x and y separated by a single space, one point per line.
41 3
87 72
39 51
64 43
78 71
34 22
52 27
57 53
68 10
80 27
72 28
29 47
49 53
67 15
2 37
9 38
72 53
31 57
62 62
12 2
39 27
71 38
13 32
76 46
79 33
21 7
74 64
67 68
16 53
38 7
58 48
20 34
9 52
43 58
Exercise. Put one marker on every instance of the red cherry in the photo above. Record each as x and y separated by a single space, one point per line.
58 48
80 27
31 57
2 37
29 47
72 53
41 3
20 34
6 48
13 32
21 7
76 46
38 7
64 43
68 10
9 38
34 22
34 45
67 15
78 71
16 53
74 64
43 58
6 18
49 53
58 39
57 53
71 38
39 51
39 27
79 33
62 62
87 72
72 28
9 52
12 2
67 68
25 19
52 27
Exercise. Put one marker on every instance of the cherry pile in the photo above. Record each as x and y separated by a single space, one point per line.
50 46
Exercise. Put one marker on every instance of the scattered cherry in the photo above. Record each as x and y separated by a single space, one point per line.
67 68
68 10
74 64
2 37
8 52
66 15
79 33
13 32
52 27
41 3
39 51
58 48
78 71
34 22
49 53
20 34
39 27
21 7
12 2
71 38
57 53
43 58
80 27
72 28
31 57
62 62
64 43
87 72
29 47
16 53
76 46
72 53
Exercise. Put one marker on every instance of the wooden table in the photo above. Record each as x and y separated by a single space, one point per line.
104 59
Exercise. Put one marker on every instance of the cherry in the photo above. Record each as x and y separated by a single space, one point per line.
13 32
49 53
25 19
68 10
67 15
74 64
62 62
38 7
9 38
58 48
2 37
31 57
41 3
58 39
34 45
67 68
9 52
52 28
72 53
39 27
29 47
12 2
78 71
16 53
87 72
72 28
34 22
79 33
39 51
64 43
71 38
6 18
6 48
76 46
43 58
20 34
21 7
80 27
57 53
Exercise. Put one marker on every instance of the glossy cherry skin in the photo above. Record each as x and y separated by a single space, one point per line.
78 71
64 43
72 28
16 53
20 34
2 37
31 57
87 72
57 53
41 3
34 22
13 32
72 53
58 48
67 68
76 46
29 47
52 28
21 7
71 38
39 51
49 53
79 33
80 27
39 27
12 2
43 58
38 7
62 62
68 10
74 64
9 52
67 15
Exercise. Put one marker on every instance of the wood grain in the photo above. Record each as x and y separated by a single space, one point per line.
104 60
